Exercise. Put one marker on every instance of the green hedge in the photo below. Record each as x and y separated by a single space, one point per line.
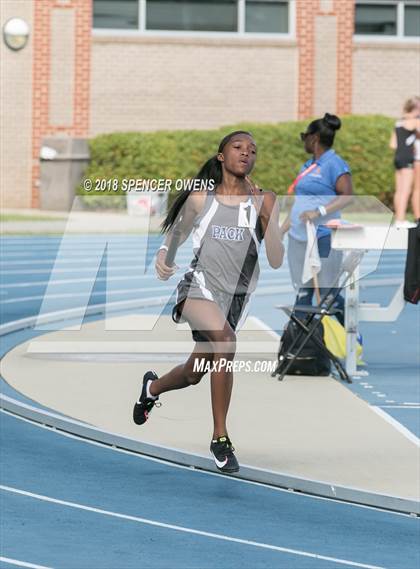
362 142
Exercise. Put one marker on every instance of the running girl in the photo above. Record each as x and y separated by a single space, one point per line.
228 225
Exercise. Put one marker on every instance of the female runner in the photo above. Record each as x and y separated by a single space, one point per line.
228 224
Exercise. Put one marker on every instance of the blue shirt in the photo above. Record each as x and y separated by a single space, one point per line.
314 189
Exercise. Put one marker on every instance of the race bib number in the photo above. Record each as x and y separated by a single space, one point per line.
247 215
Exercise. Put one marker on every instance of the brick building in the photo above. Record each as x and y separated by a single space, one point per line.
95 66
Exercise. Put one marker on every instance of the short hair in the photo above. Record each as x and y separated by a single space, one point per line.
411 104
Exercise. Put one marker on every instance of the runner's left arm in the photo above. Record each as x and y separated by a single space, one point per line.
267 206
273 236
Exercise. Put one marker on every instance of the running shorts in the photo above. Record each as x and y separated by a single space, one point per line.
234 306
399 164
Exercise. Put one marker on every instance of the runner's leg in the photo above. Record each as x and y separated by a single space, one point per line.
207 317
404 181
182 375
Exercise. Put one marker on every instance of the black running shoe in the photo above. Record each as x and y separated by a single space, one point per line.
222 451
144 404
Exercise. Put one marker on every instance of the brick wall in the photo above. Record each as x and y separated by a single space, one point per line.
325 65
177 83
385 75
325 38
345 26
60 91
62 63
16 111
305 31
70 82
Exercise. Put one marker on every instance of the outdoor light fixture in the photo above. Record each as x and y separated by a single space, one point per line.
15 33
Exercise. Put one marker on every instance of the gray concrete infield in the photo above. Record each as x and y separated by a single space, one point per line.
310 434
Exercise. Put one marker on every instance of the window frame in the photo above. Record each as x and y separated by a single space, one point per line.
141 31
399 36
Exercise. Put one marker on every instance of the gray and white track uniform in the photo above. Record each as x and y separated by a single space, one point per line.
225 270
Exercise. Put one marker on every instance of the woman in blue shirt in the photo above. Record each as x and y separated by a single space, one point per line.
322 188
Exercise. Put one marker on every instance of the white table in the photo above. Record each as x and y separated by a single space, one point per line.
367 238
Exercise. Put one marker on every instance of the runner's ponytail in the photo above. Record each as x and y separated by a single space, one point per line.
211 170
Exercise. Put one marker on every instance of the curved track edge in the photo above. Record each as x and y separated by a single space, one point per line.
178 456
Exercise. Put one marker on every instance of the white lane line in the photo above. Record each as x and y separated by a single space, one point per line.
198 471
115 239
75 281
398 406
22 563
107 292
403 430
67 253
165 291
264 281
122 292
51 250
185 529
265 327
81 238
139 276
135 266
64 260
266 278
263 291
80 270
84 260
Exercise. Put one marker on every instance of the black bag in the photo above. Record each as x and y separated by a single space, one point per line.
311 360
412 266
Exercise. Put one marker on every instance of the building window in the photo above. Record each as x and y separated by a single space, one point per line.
232 16
192 15
267 16
412 20
121 14
376 19
399 18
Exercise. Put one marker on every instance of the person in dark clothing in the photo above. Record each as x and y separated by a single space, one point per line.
403 141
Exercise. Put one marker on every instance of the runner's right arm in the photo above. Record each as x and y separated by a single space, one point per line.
180 231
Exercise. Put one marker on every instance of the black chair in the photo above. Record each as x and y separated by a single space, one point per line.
313 320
